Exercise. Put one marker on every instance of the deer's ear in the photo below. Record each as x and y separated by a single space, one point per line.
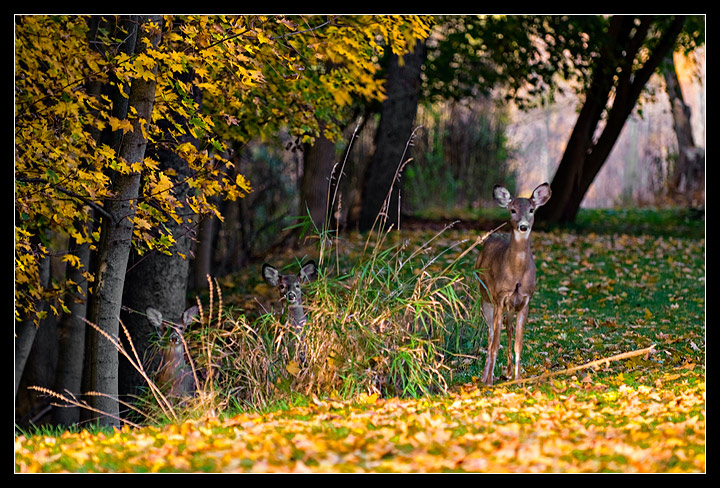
502 196
155 318
541 195
270 274
189 315
308 271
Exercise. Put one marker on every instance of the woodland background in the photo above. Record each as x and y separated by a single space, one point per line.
152 152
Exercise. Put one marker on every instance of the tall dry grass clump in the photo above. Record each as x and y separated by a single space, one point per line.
380 324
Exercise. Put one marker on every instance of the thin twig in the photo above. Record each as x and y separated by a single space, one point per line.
426 244
383 215
331 204
479 240
77 403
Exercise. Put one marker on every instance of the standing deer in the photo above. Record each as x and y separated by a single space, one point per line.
289 286
174 375
508 279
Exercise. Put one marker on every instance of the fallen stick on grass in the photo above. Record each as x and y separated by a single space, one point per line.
591 364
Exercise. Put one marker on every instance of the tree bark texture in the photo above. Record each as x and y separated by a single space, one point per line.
316 187
613 78
71 346
27 329
115 242
690 159
396 119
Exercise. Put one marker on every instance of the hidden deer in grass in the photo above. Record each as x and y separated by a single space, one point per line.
508 277
290 288
174 375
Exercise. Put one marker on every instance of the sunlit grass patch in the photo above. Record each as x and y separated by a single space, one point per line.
563 425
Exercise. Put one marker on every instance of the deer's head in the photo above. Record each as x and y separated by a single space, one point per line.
289 285
522 210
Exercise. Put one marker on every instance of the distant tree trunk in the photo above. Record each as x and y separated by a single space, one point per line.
613 75
318 161
71 347
202 264
27 330
40 370
396 119
115 243
689 156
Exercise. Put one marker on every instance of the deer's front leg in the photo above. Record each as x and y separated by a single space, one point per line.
493 346
487 311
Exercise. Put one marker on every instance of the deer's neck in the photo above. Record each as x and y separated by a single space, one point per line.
297 314
518 252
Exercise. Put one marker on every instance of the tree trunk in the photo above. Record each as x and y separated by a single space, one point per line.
396 119
583 158
27 329
318 161
202 264
115 243
71 347
688 153
158 280
72 328
579 145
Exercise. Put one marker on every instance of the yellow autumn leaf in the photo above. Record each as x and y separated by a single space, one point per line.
293 367
73 260
141 223
117 124
366 399
243 183
342 97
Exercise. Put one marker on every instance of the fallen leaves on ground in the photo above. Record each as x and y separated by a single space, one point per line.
573 425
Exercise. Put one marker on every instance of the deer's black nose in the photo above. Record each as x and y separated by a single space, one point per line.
523 228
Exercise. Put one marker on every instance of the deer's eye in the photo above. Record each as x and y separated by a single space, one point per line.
532 210
512 211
